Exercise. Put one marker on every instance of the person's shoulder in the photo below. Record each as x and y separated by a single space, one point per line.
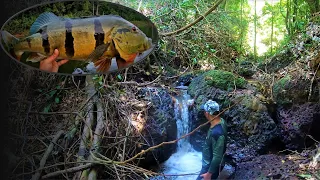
217 131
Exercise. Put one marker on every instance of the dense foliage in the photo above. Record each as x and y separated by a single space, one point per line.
222 39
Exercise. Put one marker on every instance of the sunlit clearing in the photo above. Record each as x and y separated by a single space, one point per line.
263 32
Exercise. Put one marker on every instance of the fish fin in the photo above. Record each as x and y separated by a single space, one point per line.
98 52
35 57
43 19
8 39
123 64
103 65
129 57
20 54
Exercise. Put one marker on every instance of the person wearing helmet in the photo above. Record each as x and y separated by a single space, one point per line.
215 143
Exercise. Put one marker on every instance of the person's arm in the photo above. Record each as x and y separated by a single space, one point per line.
217 153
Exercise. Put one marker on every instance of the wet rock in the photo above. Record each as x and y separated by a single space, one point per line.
160 125
267 167
185 80
227 172
297 122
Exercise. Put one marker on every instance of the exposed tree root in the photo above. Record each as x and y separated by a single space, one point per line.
36 176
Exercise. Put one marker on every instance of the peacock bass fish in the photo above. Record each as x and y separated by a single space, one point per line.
96 38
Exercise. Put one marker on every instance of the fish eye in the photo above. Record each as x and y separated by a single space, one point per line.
134 29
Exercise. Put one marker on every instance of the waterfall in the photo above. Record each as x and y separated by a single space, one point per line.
182 118
185 160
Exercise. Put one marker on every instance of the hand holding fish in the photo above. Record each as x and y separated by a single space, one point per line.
96 39
50 64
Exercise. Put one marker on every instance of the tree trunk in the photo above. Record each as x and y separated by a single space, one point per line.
288 19
272 26
255 30
295 15
241 33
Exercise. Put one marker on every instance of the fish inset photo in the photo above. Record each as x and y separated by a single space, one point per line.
79 37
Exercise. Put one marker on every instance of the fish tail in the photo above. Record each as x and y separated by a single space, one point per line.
9 39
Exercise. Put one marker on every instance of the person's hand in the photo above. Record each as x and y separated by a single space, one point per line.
206 176
50 64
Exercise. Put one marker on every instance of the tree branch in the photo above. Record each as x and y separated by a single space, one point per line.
194 22
70 170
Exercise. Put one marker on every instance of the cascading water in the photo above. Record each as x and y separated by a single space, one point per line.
186 160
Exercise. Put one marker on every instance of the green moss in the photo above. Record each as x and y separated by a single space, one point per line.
281 84
224 80
226 103
279 90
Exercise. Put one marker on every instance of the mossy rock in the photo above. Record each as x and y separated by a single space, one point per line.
279 61
224 80
288 91
245 69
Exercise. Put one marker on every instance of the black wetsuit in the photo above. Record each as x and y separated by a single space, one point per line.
214 149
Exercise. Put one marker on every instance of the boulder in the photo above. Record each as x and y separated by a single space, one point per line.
267 167
297 122
291 90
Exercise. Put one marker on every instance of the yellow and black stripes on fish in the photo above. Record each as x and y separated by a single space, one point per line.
98 33
29 42
45 40
69 47
96 39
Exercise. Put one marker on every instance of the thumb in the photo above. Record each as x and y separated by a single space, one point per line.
54 56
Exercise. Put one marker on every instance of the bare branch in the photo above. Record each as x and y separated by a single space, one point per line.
194 22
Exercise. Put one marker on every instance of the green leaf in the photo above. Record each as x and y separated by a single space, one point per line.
305 175
172 52
212 50
194 60
52 93
47 108
119 77
57 100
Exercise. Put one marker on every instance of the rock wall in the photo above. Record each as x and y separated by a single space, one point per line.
160 125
